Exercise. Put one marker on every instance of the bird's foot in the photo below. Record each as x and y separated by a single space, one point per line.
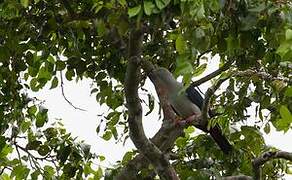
177 120
187 121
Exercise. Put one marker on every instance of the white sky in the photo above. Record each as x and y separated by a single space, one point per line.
83 124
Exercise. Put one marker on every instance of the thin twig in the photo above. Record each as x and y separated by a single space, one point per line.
261 74
239 177
63 94
208 95
18 153
202 54
265 157
3 169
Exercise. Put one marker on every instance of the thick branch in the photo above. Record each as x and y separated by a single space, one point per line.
265 157
145 146
164 139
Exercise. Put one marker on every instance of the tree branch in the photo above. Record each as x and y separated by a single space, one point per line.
142 143
212 75
164 139
209 93
240 177
202 54
66 99
265 157
261 74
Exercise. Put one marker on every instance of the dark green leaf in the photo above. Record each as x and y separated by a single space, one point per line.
2 142
34 145
107 135
43 150
54 83
64 153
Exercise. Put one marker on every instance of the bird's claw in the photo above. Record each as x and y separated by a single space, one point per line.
187 121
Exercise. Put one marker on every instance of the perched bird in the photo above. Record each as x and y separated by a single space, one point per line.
189 103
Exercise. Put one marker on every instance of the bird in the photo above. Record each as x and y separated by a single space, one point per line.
187 103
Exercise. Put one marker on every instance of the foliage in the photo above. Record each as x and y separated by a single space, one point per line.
39 40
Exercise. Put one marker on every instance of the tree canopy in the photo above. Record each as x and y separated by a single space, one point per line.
117 44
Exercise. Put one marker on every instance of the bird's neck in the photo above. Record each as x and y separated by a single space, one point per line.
175 89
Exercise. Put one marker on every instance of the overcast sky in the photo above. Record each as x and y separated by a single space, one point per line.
83 124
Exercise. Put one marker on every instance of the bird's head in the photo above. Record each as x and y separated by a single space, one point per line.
167 80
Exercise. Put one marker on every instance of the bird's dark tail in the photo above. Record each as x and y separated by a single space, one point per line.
220 139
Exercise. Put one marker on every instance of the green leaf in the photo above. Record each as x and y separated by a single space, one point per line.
20 172
2 142
288 34
64 153
49 172
181 142
134 11
60 65
34 84
6 150
114 119
50 133
43 150
69 75
33 145
180 44
201 12
183 67
41 119
161 4
281 125
127 157
32 110
107 135
86 150
148 7
267 128
24 126
35 174
101 29
54 83
150 104
123 2
44 73
189 130
288 92
24 3
284 48
198 71
101 158
285 113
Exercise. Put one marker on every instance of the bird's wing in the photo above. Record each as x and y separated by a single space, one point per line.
195 96
215 131
197 99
